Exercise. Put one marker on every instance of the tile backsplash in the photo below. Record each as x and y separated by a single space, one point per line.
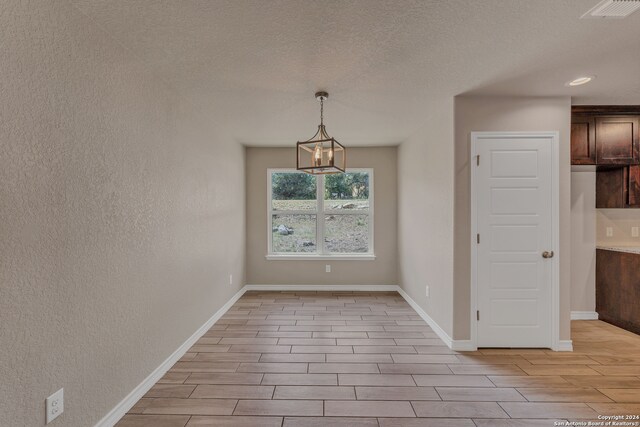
623 226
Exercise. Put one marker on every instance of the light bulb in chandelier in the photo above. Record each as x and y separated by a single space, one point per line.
317 155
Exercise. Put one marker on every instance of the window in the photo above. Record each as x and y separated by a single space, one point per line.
317 216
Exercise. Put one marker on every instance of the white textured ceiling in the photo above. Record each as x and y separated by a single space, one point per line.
253 65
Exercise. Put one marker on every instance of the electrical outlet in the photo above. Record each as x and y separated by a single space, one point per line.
609 231
634 232
427 291
231 279
55 405
327 268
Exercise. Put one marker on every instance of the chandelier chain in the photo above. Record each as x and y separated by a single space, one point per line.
321 111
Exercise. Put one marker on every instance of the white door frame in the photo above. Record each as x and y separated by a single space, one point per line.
477 138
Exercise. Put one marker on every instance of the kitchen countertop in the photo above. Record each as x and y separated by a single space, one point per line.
628 249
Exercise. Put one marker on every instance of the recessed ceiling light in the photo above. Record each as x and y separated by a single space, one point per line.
580 81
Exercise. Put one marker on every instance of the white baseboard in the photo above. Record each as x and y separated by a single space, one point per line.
463 345
127 403
432 323
332 288
584 315
565 345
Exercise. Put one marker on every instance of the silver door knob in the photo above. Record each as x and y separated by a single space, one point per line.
547 254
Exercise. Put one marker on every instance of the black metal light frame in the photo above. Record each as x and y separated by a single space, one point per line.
321 148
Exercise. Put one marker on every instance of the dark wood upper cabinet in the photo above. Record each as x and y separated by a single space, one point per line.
617 140
607 136
618 188
612 188
583 141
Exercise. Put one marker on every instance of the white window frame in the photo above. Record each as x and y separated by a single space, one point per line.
320 212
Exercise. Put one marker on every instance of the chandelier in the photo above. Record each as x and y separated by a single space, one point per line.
321 154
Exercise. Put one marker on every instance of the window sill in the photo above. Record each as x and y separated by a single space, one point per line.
314 257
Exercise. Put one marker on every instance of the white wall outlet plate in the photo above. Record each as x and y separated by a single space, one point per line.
634 232
231 279
55 405
609 231
427 291
327 268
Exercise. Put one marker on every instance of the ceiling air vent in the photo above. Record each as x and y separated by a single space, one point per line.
613 9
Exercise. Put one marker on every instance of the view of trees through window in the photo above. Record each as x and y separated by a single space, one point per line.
343 212
302 186
347 186
293 186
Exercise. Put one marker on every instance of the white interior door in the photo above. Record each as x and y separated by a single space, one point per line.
514 209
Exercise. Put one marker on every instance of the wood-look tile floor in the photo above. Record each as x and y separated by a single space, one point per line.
367 359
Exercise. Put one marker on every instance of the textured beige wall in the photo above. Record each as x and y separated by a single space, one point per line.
507 114
621 220
121 216
583 241
425 214
381 271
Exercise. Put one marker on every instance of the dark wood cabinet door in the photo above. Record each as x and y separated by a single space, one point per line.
618 289
583 141
611 188
634 187
617 140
